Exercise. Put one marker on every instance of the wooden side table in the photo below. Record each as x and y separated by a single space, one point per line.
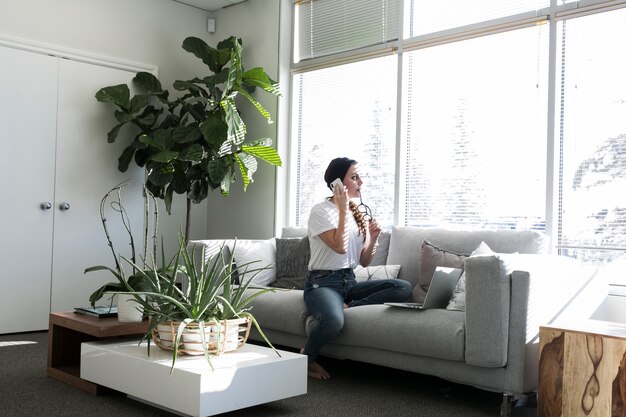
67 330
582 370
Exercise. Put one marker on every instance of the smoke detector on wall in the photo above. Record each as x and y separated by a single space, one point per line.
210 5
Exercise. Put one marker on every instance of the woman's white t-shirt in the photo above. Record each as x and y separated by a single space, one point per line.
324 217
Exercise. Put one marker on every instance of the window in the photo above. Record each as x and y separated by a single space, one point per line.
592 222
475 120
427 16
347 110
325 27
467 120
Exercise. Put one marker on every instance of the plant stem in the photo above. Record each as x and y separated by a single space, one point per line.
187 220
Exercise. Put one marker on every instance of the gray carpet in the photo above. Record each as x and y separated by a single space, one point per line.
356 389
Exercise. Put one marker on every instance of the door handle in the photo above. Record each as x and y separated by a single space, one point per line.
46 205
64 206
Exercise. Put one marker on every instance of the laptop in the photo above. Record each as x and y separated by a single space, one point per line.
439 292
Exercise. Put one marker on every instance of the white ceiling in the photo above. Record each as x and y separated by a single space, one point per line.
209 5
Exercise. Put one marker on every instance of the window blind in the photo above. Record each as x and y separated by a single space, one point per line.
474 119
592 175
325 27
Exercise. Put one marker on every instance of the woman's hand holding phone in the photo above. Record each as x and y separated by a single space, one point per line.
340 195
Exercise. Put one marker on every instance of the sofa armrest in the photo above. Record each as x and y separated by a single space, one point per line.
487 298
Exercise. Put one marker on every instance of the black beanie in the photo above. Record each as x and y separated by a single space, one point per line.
337 168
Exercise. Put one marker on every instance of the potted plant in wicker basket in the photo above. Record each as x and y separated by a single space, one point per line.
200 311
191 301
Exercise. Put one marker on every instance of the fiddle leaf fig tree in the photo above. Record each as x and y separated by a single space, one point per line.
195 142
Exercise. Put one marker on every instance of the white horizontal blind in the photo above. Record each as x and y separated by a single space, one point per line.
592 177
432 16
347 110
325 27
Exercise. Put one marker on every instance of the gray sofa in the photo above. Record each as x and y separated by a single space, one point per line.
492 344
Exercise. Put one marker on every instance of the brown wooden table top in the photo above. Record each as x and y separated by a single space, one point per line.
108 327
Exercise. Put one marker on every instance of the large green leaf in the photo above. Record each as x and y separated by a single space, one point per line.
214 129
215 59
125 158
119 94
168 196
219 168
186 134
258 77
198 191
138 102
193 153
160 139
265 153
225 184
148 82
123 116
216 79
193 89
164 156
112 135
236 126
161 174
247 167
180 184
149 115
258 106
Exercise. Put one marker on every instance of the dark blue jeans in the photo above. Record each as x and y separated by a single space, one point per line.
325 293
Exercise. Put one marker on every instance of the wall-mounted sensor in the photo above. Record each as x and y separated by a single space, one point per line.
210 25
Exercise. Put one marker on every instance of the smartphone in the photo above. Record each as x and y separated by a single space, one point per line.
335 183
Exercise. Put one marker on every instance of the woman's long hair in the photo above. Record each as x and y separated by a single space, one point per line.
360 220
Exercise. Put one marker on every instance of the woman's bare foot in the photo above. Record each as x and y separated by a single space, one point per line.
315 369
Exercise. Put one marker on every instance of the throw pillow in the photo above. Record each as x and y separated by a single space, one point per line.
431 257
292 262
376 272
457 301
255 260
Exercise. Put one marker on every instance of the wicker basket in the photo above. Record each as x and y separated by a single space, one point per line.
220 336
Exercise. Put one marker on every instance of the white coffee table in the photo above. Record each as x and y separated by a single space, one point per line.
248 376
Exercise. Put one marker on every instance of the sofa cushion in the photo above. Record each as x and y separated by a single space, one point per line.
282 310
210 251
433 333
255 260
457 301
406 243
376 272
431 257
292 262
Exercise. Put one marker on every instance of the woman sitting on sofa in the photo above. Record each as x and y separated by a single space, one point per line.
340 239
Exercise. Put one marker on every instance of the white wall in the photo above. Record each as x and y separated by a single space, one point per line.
151 32
250 215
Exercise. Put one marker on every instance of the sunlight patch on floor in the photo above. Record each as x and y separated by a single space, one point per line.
17 343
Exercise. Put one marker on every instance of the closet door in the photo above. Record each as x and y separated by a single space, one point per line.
28 92
86 169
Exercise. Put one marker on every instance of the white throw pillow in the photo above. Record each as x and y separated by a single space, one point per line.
457 301
252 255
376 272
